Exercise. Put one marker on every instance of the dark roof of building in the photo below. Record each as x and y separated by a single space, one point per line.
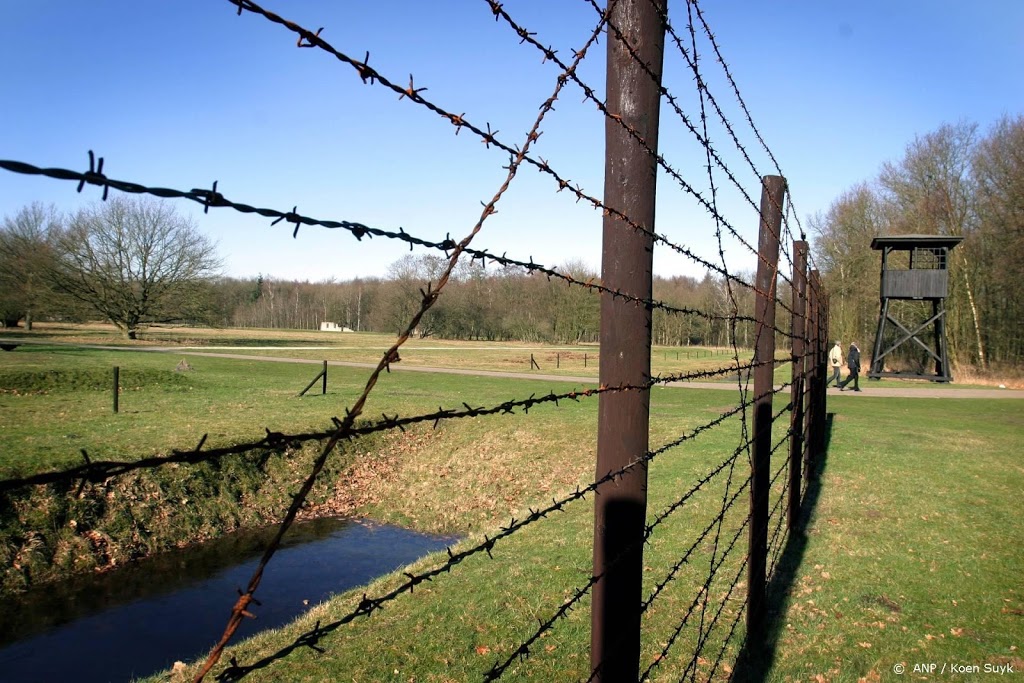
916 241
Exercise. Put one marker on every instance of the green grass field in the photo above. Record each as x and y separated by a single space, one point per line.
912 553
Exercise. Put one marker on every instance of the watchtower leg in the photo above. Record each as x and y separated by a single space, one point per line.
876 359
942 366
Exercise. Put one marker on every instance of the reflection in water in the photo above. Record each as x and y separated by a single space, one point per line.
142 618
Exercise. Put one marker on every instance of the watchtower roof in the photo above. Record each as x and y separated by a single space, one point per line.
916 241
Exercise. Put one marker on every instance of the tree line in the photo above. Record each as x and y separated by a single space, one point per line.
953 181
135 262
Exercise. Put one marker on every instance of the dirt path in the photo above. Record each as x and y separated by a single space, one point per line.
919 391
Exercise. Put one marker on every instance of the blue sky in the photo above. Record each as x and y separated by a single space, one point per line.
180 94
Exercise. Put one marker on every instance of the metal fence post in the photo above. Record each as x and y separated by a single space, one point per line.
812 372
773 194
324 388
823 370
798 327
117 386
633 101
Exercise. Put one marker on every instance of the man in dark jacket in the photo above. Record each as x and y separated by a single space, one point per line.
853 363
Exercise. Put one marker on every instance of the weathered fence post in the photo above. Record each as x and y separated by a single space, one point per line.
823 346
117 386
813 342
773 194
321 374
798 327
633 102
816 432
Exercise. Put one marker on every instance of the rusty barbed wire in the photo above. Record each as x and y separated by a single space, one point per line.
648 532
703 90
216 199
742 103
550 55
704 593
430 296
346 428
97 471
522 651
703 139
368 605
371 76
741 389
701 595
732 631
774 544
702 641
679 564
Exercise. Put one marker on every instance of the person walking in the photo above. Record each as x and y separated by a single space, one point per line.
853 364
835 359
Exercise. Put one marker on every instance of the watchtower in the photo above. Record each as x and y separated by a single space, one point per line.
914 268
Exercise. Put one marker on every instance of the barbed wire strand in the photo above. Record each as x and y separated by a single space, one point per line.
214 198
523 650
705 633
699 598
96 471
430 296
368 605
742 103
549 55
704 140
371 76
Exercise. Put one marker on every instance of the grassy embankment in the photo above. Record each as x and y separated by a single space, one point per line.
913 553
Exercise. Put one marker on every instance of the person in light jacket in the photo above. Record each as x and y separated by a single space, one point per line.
853 363
835 359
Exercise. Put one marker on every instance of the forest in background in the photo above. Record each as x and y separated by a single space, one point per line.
953 181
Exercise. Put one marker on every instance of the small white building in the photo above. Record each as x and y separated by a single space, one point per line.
333 327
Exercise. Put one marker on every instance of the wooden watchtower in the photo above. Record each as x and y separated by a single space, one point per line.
914 268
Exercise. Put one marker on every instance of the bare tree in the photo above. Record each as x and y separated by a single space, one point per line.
25 253
931 190
135 261
999 174
843 248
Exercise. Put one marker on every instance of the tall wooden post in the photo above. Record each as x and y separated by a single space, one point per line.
773 194
798 329
626 266
813 358
117 387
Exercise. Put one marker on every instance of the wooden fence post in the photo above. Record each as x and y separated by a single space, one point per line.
773 195
798 395
620 504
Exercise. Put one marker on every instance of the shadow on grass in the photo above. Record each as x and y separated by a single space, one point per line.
755 659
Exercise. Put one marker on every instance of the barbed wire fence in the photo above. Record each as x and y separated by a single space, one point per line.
731 586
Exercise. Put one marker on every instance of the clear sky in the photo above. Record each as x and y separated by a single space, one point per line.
182 93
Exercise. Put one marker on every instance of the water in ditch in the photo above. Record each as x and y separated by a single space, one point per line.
142 618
